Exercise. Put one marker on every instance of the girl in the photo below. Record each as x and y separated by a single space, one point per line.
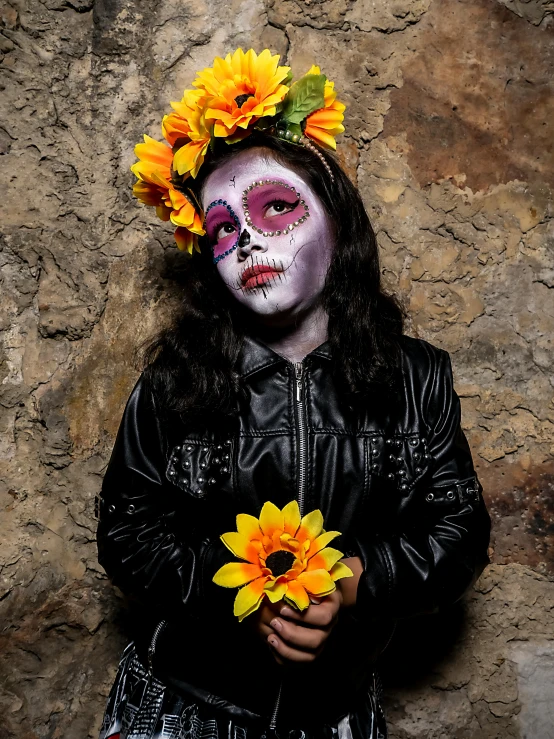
284 401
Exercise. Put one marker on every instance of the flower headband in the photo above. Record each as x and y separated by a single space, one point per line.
239 94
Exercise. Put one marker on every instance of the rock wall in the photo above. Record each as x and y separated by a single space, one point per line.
450 138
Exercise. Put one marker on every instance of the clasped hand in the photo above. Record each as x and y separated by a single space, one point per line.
295 636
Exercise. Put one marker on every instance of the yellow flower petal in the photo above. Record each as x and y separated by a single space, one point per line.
240 546
271 519
249 598
235 574
291 517
276 589
340 570
318 582
322 541
298 595
324 559
248 526
310 526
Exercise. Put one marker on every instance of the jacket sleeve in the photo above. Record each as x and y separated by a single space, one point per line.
441 547
139 546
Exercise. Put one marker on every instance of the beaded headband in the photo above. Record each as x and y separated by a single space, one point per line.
239 94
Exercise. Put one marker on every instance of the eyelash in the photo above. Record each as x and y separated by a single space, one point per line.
290 206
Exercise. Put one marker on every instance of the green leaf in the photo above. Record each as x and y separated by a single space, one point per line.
304 98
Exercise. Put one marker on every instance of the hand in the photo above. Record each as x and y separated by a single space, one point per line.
294 636
349 585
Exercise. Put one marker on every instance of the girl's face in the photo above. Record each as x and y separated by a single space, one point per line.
270 236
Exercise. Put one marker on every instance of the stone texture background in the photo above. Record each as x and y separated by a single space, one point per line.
450 132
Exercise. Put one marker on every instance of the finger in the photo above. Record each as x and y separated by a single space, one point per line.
321 616
298 636
290 653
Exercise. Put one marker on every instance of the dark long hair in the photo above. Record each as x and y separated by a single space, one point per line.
190 364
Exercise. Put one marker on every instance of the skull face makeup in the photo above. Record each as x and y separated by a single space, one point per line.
270 235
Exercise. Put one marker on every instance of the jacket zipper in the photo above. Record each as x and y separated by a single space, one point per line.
301 435
152 648
273 719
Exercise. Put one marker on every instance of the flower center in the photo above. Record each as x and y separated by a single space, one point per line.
279 562
241 99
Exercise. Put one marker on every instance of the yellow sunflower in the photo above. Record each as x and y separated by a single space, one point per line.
242 88
286 557
186 129
326 123
154 187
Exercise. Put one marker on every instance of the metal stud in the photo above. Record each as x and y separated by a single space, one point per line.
388 441
201 480
418 470
450 495
219 447
414 442
227 442
172 472
417 456
403 486
111 508
224 470
392 457
178 448
189 448
186 464
203 465
398 442
217 460
130 508
390 476
430 497
211 481
375 467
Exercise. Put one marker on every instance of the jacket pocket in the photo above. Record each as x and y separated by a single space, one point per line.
399 460
197 465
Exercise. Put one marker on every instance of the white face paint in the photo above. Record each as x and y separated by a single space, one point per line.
271 237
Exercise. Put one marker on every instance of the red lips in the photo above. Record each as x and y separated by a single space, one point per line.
258 275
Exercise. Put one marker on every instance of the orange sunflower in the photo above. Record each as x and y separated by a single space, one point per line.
286 557
326 123
242 88
187 131
154 187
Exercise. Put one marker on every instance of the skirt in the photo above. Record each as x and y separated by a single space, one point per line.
139 706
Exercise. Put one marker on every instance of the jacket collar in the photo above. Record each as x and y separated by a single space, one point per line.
254 356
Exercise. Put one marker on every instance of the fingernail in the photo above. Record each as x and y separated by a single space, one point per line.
314 600
272 640
276 624
286 611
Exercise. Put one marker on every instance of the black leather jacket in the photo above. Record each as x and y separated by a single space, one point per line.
395 477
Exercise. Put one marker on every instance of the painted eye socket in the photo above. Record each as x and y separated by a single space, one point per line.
279 207
273 207
222 228
223 231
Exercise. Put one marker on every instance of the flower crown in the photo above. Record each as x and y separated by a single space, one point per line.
239 94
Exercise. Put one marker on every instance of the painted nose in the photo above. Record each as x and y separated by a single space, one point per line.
248 244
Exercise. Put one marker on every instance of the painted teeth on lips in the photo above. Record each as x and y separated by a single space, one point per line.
253 272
